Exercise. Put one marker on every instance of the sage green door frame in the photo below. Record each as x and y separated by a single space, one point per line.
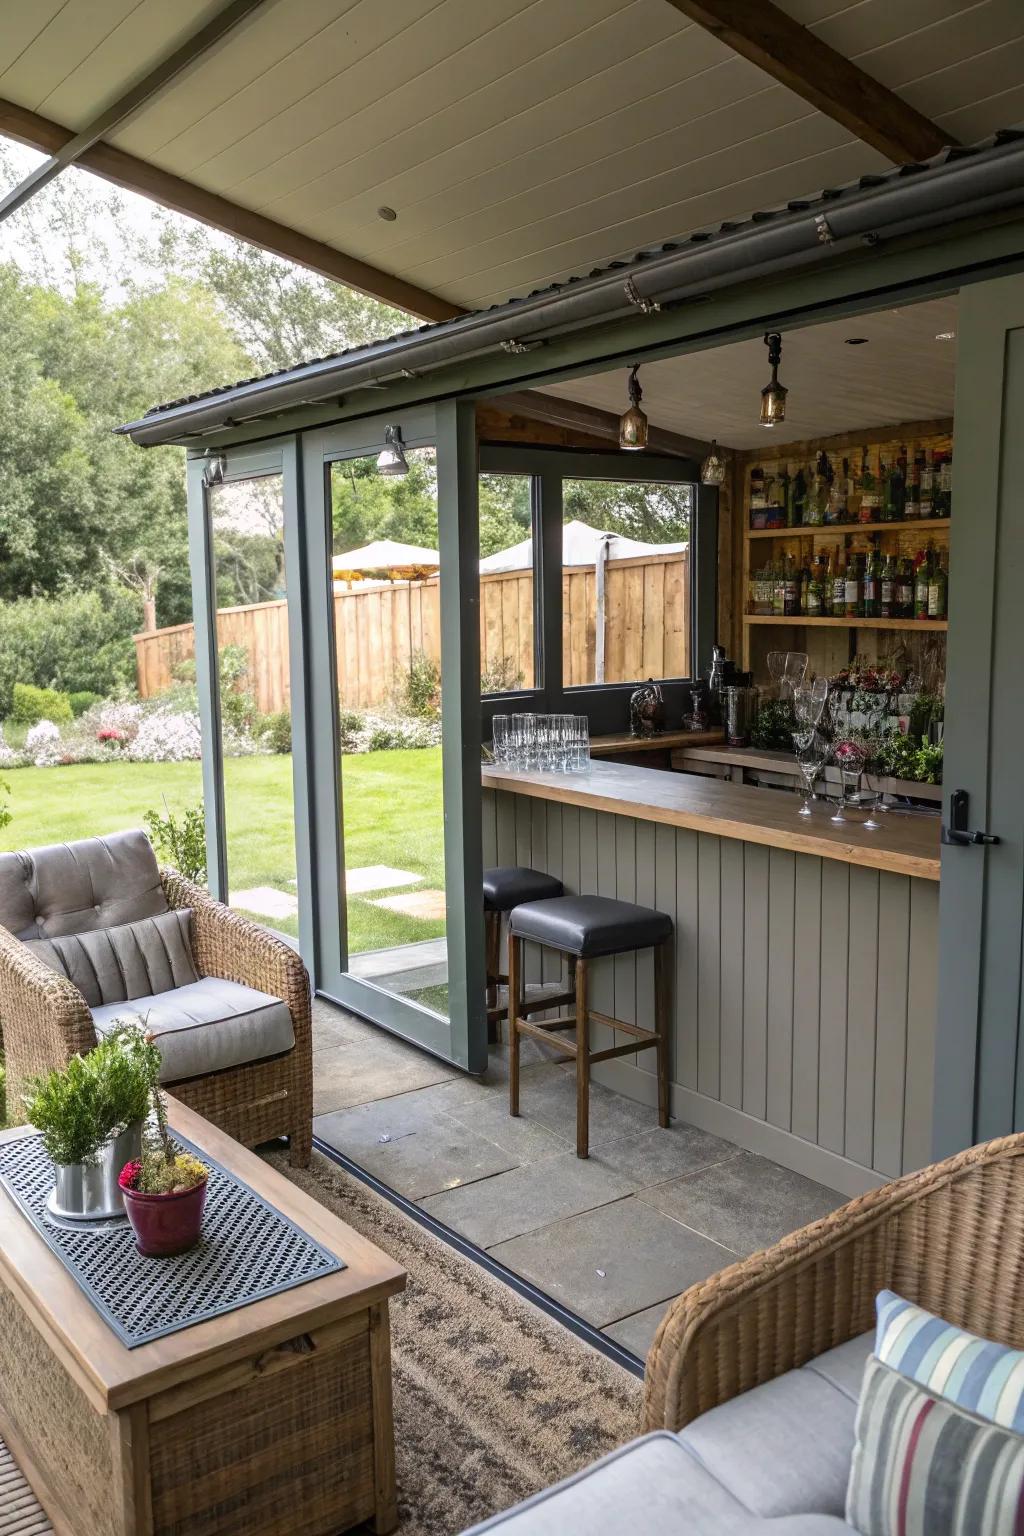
979 1068
451 427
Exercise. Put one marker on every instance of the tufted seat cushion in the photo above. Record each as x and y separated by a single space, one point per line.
206 1026
590 925
100 882
511 884
111 965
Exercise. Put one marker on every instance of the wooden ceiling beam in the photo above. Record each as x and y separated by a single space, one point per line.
764 34
573 415
185 197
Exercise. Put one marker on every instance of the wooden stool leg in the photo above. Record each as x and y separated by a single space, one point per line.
515 953
582 1063
662 1015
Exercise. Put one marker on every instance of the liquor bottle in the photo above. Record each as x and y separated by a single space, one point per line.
854 587
871 588
778 590
927 497
799 497
870 495
791 589
888 607
778 509
895 488
905 589
912 504
944 487
922 581
758 500
827 578
816 508
838 495
938 591
813 593
839 586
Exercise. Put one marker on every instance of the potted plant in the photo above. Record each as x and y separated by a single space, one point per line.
90 1114
164 1192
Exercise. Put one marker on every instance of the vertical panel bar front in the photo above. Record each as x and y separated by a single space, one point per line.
204 617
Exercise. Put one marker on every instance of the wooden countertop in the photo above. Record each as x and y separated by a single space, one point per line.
609 746
906 845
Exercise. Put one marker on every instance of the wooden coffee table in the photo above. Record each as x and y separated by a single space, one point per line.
272 1419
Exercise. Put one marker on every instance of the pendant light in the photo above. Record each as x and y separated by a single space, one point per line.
633 423
391 460
215 467
773 396
712 471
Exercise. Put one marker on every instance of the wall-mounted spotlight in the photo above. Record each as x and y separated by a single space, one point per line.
391 460
773 396
712 471
215 467
633 422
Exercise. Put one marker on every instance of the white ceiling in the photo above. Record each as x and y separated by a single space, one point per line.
519 141
902 373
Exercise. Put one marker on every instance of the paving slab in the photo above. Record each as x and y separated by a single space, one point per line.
654 1157
612 1117
378 877
746 1203
609 1263
265 901
636 1332
527 1198
427 904
411 1146
524 1139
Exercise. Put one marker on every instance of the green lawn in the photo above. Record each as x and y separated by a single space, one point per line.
392 804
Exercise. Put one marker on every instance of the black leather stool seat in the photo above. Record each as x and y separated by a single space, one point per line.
511 884
590 925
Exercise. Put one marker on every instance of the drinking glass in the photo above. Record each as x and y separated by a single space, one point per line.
849 757
524 741
500 747
580 754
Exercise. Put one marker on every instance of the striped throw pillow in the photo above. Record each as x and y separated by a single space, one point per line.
923 1467
976 1374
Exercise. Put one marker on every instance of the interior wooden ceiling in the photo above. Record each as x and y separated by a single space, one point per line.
902 372
518 141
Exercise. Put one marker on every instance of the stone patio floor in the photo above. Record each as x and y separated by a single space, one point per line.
613 1237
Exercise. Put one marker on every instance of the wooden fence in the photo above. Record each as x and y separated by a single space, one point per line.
380 630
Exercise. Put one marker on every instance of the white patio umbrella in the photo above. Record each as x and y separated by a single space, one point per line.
581 545
388 558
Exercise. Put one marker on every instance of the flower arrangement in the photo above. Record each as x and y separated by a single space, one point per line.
152 1174
164 1190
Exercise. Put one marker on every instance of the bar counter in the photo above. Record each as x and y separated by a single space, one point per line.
904 844
804 989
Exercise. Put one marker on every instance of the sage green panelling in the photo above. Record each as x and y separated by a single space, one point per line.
804 999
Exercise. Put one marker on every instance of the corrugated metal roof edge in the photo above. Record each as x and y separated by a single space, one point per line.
823 206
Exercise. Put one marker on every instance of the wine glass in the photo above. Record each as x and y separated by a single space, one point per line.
849 756
794 670
809 745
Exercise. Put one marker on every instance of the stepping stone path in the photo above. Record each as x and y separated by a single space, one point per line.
429 905
378 877
265 901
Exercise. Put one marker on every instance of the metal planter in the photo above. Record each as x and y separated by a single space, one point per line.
89 1191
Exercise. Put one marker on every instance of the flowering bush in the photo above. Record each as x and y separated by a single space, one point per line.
42 744
8 756
114 717
167 737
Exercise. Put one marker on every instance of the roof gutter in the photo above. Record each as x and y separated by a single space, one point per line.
964 185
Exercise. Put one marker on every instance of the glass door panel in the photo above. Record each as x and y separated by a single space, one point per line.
386 622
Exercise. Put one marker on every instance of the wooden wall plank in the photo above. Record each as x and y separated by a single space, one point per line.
862 989
835 950
755 980
733 937
807 920
891 1045
666 885
646 896
708 1020
783 940
602 979
922 1002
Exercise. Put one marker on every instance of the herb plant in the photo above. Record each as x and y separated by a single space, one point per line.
182 839
94 1098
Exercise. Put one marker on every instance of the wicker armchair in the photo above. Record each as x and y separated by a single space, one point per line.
950 1238
45 1021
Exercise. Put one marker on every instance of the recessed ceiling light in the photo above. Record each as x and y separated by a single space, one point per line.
386 213
945 336
856 341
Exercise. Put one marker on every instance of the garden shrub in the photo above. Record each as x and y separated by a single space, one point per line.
82 701
76 643
181 839
277 732
503 676
42 743
422 687
5 821
166 736
30 704
238 706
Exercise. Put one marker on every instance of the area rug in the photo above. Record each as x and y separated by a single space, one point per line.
493 1400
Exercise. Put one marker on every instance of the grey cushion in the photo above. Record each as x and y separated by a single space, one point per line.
112 965
101 882
651 1487
207 1026
590 925
785 1447
510 884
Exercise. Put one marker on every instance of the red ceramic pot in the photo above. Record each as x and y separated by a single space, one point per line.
166 1224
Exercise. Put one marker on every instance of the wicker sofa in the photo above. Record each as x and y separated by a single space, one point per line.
228 1002
753 1377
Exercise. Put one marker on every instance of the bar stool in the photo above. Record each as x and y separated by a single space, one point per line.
504 888
585 928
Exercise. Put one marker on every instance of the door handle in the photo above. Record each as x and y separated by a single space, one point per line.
957 833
